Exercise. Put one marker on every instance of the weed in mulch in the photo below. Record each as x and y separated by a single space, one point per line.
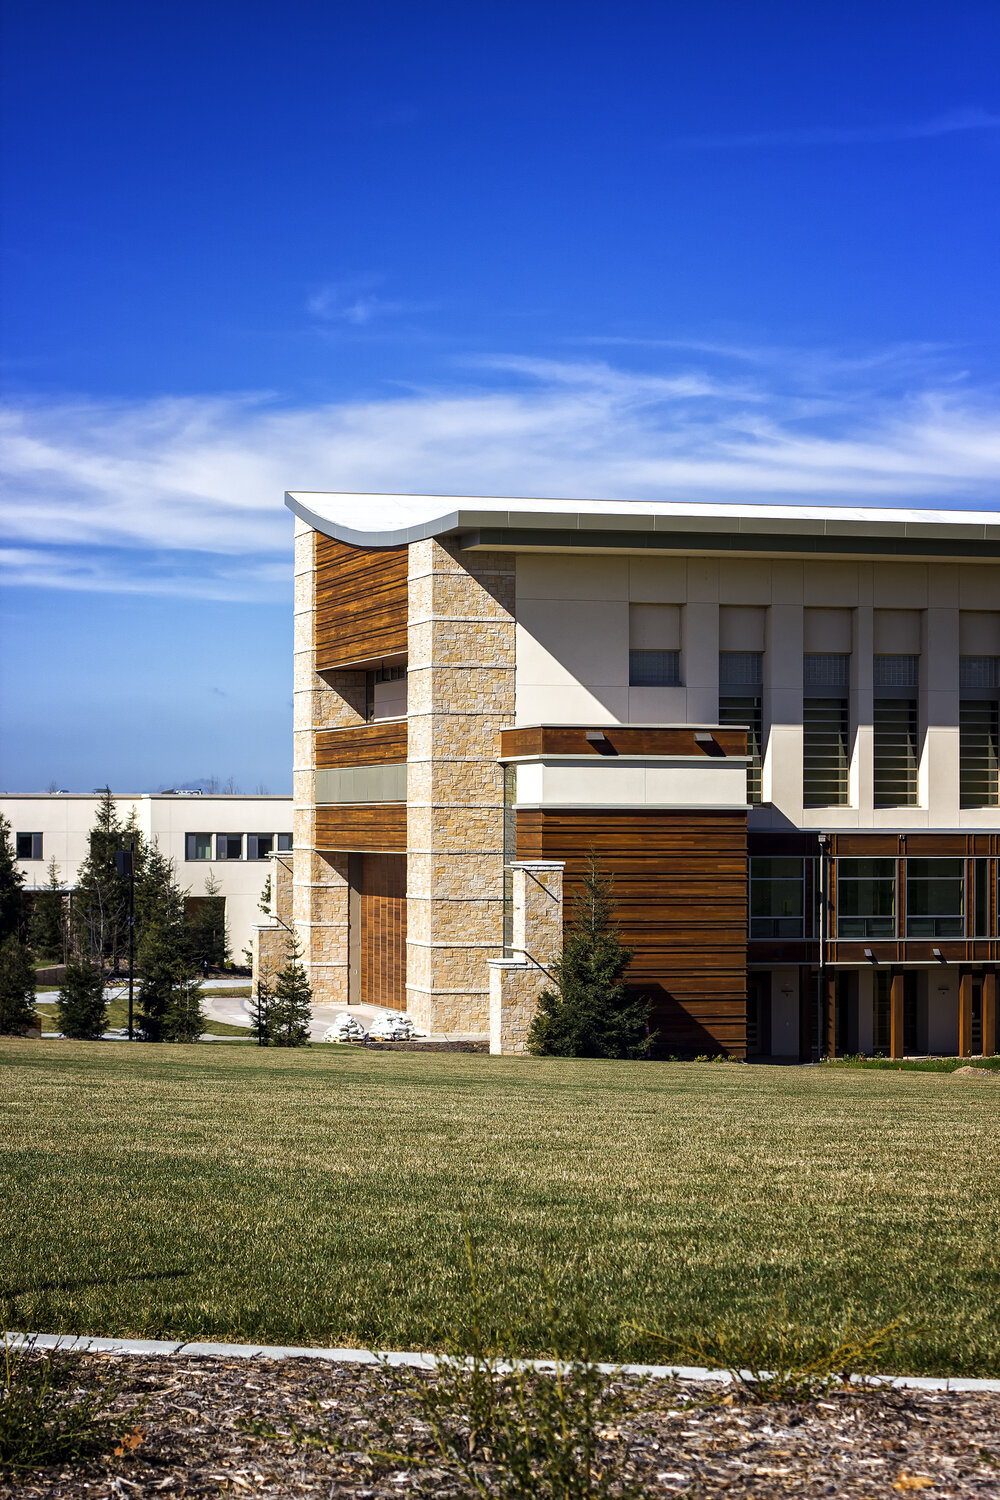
48 1417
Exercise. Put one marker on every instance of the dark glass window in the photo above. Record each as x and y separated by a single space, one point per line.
777 897
284 843
935 898
259 845
654 669
229 846
28 845
866 898
197 846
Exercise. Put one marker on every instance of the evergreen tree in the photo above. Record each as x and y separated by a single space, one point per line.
17 987
81 1006
13 908
100 907
48 930
290 1008
206 926
260 1008
170 993
590 1013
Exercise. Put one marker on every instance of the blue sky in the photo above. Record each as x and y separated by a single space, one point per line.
608 249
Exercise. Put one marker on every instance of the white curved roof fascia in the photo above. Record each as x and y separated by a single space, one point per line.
392 520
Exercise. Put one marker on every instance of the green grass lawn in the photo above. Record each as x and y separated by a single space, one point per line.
317 1196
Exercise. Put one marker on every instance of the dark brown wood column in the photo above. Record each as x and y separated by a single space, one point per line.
830 1013
896 1013
965 1016
991 984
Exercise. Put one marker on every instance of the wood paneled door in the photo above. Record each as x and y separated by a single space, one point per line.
378 930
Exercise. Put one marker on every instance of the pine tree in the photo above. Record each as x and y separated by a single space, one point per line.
206 925
290 1009
170 993
81 1007
17 973
48 930
100 906
17 987
13 908
590 1013
260 1007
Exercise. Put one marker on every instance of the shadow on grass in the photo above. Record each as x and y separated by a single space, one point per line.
60 1284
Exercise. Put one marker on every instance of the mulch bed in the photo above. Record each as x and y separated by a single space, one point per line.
680 1440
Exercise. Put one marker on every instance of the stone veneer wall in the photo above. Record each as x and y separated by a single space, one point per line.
537 941
461 694
327 701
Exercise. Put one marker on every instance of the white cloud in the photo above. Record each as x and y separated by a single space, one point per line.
189 489
955 122
355 302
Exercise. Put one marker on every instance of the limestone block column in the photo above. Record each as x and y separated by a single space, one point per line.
460 696
517 981
319 905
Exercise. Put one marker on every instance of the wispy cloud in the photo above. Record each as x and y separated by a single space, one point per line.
183 495
356 302
955 122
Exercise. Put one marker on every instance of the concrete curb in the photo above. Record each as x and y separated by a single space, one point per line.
68 1343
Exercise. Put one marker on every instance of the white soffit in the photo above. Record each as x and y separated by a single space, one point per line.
392 520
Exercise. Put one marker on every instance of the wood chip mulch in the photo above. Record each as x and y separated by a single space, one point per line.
679 1440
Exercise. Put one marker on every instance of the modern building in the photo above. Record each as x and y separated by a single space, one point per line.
776 726
227 836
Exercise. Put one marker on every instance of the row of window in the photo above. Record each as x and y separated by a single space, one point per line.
826 726
869 897
196 845
231 845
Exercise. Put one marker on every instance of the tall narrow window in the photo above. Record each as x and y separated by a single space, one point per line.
894 719
777 897
741 677
654 641
826 680
979 730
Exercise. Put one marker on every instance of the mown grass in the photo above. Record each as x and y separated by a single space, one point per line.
318 1197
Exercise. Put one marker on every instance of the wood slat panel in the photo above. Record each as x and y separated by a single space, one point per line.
382 903
368 827
571 739
681 893
361 603
361 745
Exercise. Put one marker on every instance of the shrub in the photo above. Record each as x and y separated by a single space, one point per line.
46 1418
81 1007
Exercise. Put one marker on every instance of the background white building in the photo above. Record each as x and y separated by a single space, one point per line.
227 836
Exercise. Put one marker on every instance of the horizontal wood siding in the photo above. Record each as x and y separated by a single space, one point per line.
681 893
382 905
360 603
571 739
368 827
361 745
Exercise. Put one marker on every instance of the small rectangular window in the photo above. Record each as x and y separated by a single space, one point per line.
29 845
259 845
979 673
824 671
197 846
654 669
284 843
229 846
896 672
866 898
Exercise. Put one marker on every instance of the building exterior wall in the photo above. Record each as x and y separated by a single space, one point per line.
64 820
515 618
573 643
